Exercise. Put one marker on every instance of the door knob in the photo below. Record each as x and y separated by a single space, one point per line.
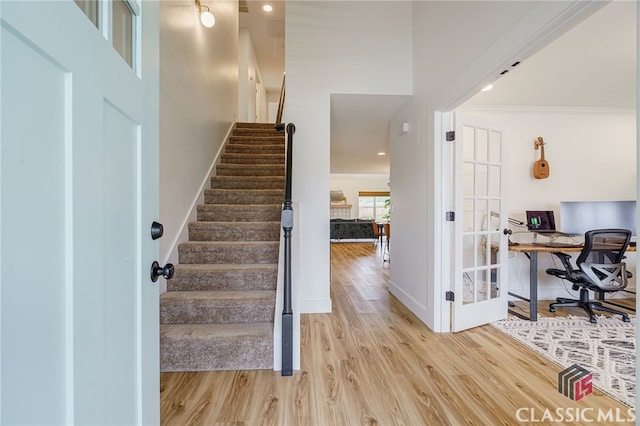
156 230
157 271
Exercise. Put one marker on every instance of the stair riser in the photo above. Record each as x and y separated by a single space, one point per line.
216 354
252 159
223 280
257 132
214 196
254 125
212 212
234 182
195 312
225 253
254 149
257 140
239 170
202 233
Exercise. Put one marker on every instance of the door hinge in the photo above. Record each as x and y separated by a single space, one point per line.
448 296
451 136
450 216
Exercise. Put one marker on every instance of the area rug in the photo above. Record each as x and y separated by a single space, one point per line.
606 349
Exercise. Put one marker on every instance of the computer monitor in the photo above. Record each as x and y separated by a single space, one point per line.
577 217
541 221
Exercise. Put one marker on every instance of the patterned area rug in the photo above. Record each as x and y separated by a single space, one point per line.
606 349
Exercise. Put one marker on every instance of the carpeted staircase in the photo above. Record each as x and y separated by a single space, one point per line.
217 313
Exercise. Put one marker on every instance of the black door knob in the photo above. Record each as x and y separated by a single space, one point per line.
157 271
156 230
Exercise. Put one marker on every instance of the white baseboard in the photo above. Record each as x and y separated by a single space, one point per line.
319 306
419 309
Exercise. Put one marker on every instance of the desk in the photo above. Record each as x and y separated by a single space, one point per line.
532 250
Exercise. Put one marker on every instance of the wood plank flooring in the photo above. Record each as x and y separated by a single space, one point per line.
372 362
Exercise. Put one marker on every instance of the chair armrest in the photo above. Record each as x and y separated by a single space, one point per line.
561 273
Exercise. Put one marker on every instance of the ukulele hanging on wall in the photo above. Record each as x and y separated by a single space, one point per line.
540 167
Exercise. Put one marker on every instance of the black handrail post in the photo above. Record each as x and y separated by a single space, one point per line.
287 227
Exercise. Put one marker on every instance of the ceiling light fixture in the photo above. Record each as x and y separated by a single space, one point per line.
487 88
382 153
267 8
206 17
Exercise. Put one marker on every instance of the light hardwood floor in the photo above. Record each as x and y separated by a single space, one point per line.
372 362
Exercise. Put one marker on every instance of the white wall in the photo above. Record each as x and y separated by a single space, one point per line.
198 104
248 76
592 157
352 184
245 51
334 47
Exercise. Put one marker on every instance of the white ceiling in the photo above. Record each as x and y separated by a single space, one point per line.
360 130
593 65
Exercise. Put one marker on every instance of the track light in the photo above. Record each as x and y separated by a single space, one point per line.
206 17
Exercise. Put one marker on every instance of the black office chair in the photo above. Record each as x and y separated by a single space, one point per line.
600 269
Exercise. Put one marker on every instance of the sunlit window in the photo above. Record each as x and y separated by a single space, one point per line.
374 205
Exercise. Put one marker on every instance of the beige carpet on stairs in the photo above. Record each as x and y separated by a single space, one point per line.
217 313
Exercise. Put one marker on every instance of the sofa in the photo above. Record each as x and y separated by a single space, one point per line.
351 229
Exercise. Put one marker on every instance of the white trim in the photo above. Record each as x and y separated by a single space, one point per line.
69 257
443 281
637 180
419 309
315 306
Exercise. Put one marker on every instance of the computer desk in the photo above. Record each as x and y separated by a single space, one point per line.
531 251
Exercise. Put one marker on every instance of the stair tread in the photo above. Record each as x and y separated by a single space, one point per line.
244 155
262 177
235 225
229 243
250 166
244 206
248 190
206 267
244 145
218 295
213 331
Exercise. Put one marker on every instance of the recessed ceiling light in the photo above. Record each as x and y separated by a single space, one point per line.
267 8
382 153
487 88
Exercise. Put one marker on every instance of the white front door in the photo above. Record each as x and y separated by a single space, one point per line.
79 177
480 246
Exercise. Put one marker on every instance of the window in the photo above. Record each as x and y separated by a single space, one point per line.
374 205
91 9
118 21
123 30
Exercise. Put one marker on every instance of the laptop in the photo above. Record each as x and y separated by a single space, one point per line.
543 222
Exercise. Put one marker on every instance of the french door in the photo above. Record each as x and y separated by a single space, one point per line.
79 191
480 246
